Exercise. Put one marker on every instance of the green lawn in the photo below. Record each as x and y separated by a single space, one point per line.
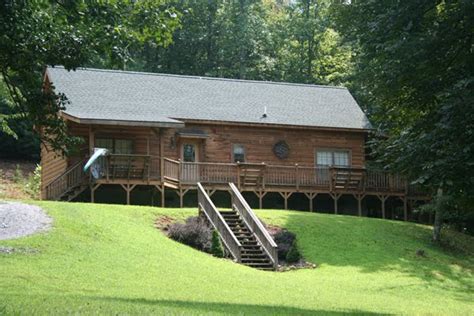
105 259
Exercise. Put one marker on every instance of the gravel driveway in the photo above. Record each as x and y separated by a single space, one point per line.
18 220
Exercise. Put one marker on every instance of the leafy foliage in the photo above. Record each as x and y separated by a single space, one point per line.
69 33
195 232
415 74
216 245
26 142
293 254
33 184
264 40
284 240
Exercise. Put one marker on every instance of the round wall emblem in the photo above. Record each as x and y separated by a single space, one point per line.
281 149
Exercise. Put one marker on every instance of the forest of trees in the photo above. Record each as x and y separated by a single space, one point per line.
408 63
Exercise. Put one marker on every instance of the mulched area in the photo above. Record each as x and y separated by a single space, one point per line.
163 223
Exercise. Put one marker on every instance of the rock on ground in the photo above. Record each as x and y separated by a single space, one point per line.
19 219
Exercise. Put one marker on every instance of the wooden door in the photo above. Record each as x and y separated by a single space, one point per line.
190 152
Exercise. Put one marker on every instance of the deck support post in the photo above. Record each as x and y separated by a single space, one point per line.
94 187
359 197
128 188
163 204
181 196
260 195
335 197
310 196
162 193
286 196
209 192
383 198
405 208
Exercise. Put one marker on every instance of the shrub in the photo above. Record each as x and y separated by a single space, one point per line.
18 175
293 254
33 185
194 232
284 240
216 245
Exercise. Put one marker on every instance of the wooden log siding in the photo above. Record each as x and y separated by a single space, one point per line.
259 141
52 166
215 153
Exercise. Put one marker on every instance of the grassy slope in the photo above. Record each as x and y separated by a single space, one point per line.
110 259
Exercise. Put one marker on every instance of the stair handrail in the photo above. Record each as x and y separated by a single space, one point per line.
254 224
70 178
228 238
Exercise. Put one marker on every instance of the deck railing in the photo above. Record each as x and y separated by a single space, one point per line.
171 170
254 224
215 218
69 179
253 176
130 167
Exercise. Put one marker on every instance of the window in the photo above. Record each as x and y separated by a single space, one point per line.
324 158
238 153
328 157
115 146
123 146
105 143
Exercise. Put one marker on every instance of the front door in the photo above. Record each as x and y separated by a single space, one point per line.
190 159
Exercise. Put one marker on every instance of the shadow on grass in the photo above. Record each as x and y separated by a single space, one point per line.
374 245
231 308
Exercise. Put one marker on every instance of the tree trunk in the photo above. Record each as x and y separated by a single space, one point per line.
438 221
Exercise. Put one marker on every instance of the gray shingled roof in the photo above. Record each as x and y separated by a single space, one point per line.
149 99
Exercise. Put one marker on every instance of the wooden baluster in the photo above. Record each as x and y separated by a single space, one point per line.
297 180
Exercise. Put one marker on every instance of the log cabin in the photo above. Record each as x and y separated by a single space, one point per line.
169 132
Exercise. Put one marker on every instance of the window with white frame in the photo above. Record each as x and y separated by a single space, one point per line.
238 153
330 157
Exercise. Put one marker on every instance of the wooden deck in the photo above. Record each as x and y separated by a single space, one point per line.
260 178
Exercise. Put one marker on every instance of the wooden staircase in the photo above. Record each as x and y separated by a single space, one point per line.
241 232
252 254
68 185
347 179
72 193
251 175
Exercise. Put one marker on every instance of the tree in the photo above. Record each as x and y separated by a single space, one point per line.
309 49
70 33
415 65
